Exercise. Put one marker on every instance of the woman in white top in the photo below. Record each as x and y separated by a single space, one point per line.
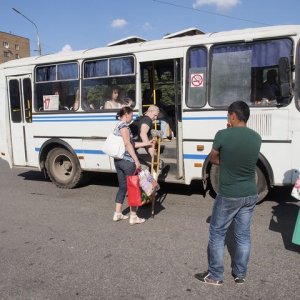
113 103
127 165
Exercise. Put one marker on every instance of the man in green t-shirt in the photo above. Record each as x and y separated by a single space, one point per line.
236 151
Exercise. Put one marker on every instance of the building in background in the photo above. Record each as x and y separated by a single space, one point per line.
13 47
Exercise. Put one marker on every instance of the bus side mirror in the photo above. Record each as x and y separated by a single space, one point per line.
284 77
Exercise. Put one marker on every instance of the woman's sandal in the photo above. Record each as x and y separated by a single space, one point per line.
119 217
136 220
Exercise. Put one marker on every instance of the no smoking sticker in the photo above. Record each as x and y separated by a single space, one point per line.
197 80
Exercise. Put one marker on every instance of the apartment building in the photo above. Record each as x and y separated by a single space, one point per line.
13 47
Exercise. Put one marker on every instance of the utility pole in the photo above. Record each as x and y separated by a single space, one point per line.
39 48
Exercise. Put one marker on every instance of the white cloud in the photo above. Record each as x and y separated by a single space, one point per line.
66 48
118 23
147 26
221 4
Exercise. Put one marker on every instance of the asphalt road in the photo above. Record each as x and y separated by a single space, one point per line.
63 244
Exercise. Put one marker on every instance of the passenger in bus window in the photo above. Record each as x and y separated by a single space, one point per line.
128 102
84 100
270 88
131 95
58 90
85 104
76 102
113 96
129 99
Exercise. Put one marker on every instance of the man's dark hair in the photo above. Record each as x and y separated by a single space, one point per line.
241 109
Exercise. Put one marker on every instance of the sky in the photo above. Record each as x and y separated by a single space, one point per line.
65 25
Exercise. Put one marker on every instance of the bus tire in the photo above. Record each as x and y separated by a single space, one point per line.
262 184
63 168
214 179
261 181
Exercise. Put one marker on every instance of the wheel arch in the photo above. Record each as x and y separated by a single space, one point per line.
266 168
262 163
206 167
48 146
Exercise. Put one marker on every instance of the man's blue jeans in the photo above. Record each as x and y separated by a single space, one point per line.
240 212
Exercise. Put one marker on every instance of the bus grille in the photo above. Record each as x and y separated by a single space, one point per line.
261 123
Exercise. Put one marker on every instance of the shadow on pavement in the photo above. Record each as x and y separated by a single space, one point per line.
284 212
110 179
33 175
283 221
284 215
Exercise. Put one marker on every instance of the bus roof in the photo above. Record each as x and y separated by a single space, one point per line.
248 34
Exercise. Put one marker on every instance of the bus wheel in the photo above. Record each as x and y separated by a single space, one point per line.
214 179
63 168
261 181
262 184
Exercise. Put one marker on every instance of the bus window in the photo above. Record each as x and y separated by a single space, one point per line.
121 66
56 84
197 77
297 82
108 83
15 101
239 71
27 98
230 74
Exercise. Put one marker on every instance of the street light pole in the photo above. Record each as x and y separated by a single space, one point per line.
39 48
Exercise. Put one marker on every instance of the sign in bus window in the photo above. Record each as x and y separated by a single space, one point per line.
197 78
51 102
197 87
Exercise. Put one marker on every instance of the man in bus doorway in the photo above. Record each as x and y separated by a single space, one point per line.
144 125
236 151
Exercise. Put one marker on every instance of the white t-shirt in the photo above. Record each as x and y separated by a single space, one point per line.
113 104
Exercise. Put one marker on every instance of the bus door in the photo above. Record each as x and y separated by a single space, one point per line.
161 84
20 99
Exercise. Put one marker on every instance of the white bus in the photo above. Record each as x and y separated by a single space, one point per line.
52 114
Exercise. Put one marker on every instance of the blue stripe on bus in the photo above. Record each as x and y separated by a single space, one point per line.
204 118
85 151
79 151
194 156
72 116
74 120
78 118
85 118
